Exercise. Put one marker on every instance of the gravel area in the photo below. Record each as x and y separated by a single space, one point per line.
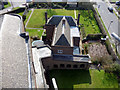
97 50
14 55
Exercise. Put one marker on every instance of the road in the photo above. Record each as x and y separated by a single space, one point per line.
107 17
16 3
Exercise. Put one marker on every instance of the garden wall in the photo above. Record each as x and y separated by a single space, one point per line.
107 42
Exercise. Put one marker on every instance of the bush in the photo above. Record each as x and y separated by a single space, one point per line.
108 68
51 12
95 62
86 48
116 68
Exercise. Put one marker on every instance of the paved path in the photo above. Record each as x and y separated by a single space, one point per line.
33 28
75 14
29 18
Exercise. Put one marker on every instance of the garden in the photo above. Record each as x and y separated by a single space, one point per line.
38 17
88 23
76 79
35 32
84 79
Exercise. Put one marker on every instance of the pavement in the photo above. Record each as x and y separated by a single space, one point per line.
29 18
14 61
107 17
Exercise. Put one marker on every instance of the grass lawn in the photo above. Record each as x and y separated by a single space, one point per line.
63 12
114 0
35 32
18 10
28 14
21 13
89 24
84 79
38 18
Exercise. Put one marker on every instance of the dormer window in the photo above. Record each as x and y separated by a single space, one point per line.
63 22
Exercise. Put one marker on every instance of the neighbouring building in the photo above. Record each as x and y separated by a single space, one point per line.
63 37
14 54
1 5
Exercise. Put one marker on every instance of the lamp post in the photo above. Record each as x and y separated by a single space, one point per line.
11 4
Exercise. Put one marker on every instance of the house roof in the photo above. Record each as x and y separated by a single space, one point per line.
64 33
76 58
55 20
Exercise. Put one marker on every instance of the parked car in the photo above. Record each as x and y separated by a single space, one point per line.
110 8
117 3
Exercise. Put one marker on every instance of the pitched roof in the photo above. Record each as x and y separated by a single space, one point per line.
62 35
55 20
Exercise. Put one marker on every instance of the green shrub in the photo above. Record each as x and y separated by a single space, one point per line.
116 68
95 62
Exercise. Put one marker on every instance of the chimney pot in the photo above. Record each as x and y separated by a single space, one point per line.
46 17
78 19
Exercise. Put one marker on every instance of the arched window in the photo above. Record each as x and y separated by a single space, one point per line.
68 66
82 66
75 66
62 65
55 66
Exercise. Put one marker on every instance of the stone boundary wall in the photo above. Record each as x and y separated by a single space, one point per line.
107 42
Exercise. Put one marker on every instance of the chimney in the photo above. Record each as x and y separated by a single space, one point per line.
46 17
78 19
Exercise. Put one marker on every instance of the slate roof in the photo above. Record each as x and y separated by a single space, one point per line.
62 35
55 20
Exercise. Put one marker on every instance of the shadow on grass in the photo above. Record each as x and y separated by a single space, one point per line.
69 78
19 10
